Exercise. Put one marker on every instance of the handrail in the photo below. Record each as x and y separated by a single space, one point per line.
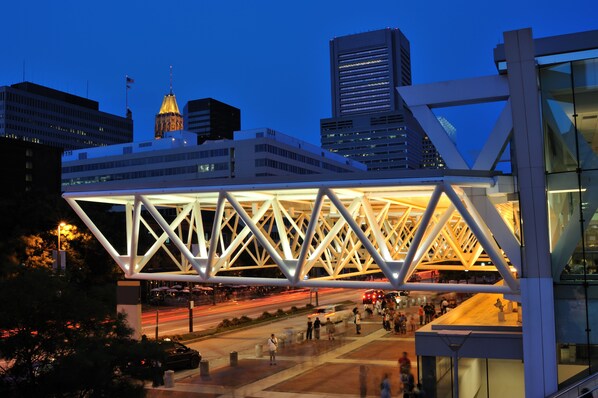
575 390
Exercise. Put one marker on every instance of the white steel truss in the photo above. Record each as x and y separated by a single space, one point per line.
316 234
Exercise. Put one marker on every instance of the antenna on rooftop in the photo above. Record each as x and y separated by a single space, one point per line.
170 79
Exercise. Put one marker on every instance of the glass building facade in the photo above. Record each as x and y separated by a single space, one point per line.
569 93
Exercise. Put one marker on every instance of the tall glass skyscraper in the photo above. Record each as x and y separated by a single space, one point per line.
369 120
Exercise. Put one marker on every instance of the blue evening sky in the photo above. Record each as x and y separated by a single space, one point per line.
268 58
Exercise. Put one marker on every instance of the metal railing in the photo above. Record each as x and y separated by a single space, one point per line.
579 390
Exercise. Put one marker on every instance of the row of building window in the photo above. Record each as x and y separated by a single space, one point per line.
92 115
300 158
366 86
52 120
356 54
369 134
361 76
275 164
361 93
367 108
148 173
346 102
147 160
287 154
354 64
49 138
351 83
353 72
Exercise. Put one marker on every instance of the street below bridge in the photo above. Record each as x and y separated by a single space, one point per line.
304 368
173 320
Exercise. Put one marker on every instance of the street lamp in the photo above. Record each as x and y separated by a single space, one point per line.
62 224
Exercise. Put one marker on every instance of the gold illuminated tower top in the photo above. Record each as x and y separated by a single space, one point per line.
169 117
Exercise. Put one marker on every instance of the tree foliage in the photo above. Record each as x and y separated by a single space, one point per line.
61 338
30 235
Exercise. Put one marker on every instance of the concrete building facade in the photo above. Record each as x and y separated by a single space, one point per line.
178 157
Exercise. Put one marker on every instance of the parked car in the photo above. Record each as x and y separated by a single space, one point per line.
179 356
173 356
336 313
372 295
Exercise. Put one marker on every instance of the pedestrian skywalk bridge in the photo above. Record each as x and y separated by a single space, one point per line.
339 233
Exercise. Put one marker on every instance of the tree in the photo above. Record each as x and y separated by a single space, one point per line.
62 339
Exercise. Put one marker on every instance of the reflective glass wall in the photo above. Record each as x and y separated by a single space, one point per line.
570 122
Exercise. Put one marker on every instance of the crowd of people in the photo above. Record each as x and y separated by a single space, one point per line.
393 320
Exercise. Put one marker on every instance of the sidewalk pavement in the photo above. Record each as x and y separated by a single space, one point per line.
350 365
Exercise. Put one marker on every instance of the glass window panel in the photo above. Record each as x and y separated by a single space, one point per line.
585 80
557 118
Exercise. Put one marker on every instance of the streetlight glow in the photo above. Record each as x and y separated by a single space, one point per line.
62 224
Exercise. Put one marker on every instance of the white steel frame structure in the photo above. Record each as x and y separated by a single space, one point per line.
319 234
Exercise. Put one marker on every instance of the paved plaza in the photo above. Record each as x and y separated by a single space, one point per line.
350 365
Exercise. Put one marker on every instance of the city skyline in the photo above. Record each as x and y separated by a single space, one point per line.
270 61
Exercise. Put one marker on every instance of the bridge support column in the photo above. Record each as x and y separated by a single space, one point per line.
127 301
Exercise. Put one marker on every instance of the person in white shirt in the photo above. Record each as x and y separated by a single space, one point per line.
357 323
272 347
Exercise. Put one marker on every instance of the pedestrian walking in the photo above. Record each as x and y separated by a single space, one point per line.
317 326
272 347
330 328
429 310
385 387
444 304
386 320
357 323
412 322
420 312
407 384
363 381
404 363
310 326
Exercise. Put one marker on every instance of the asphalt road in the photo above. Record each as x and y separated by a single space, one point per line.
176 320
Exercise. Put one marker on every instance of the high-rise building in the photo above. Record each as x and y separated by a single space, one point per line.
370 122
365 70
211 119
42 115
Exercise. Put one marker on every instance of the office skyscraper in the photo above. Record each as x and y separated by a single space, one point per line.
211 119
42 115
369 121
